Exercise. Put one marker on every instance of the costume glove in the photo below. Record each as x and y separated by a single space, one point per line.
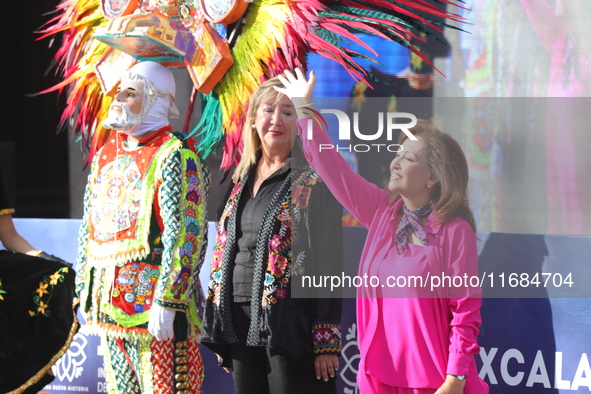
161 322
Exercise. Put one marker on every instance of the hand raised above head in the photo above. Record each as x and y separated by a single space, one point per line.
297 87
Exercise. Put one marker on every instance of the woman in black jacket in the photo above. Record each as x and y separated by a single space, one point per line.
279 222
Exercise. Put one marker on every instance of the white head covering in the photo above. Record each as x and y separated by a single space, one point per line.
158 103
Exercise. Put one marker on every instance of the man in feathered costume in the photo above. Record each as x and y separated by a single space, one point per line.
142 241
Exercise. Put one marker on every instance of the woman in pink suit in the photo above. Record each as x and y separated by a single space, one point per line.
412 339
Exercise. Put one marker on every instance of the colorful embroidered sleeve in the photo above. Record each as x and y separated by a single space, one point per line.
327 338
183 209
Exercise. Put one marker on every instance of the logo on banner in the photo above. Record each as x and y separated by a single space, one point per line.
69 367
515 370
351 357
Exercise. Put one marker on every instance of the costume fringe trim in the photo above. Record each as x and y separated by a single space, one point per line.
146 368
112 330
128 333
119 258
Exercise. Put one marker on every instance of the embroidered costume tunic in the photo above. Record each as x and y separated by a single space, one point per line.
143 235
289 245
408 337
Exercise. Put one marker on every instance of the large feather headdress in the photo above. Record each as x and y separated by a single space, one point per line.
229 47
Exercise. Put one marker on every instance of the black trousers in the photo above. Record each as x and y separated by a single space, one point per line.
260 370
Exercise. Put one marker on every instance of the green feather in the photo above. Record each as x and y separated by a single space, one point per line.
354 19
327 36
210 127
373 13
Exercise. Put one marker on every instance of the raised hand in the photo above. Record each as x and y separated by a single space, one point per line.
297 87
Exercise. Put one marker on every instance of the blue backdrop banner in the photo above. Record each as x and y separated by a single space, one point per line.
528 345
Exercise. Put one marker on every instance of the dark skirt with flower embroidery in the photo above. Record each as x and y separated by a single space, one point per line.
37 319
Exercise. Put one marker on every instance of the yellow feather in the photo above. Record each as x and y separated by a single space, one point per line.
261 35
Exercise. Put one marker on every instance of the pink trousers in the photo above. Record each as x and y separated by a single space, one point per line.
369 385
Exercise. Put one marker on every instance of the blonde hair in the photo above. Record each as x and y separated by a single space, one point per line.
448 163
251 143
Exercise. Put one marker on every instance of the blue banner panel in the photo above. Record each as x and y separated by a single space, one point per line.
528 345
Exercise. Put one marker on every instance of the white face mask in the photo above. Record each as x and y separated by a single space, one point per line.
126 121
155 109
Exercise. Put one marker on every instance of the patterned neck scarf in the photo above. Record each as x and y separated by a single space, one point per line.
411 221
